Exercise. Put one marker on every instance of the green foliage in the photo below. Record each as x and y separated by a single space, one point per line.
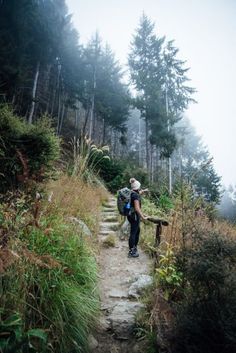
117 173
14 339
40 32
148 232
160 79
165 202
168 276
206 317
27 152
48 277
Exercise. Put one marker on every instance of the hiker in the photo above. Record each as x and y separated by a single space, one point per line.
135 217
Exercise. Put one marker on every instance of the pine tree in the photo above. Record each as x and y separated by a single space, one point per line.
145 71
107 97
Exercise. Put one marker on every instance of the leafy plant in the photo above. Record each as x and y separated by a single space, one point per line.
165 203
168 275
15 339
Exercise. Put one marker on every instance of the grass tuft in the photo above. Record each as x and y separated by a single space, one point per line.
109 242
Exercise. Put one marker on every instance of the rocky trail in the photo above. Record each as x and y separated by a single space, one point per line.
121 281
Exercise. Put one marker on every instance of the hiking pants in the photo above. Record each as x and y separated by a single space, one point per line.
134 231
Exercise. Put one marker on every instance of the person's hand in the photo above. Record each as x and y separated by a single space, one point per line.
143 191
144 218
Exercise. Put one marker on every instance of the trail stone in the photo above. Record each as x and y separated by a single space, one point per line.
116 293
109 224
84 228
136 288
105 324
107 232
92 342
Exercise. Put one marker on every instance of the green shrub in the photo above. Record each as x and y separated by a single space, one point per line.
27 151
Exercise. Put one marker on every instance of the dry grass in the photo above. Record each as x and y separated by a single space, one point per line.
180 230
109 242
75 198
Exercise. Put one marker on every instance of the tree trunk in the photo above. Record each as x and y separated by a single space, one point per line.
140 144
86 121
104 132
152 164
47 88
58 112
77 110
56 87
31 114
63 115
147 145
91 126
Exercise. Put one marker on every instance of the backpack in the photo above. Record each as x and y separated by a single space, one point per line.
123 202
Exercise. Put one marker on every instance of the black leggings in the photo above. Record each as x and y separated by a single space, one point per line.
134 231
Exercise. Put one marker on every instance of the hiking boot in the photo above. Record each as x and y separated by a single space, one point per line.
133 253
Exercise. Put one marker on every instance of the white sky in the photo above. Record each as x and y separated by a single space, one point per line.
205 33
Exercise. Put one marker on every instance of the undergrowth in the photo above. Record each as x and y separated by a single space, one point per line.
192 305
48 271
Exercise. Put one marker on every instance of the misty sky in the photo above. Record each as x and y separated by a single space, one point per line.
205 33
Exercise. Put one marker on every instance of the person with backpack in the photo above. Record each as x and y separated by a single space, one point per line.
134 216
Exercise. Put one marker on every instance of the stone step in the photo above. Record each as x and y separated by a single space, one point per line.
122 318
109 224
110 218
107 232
109 209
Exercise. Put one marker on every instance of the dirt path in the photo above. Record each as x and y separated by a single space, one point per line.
120 281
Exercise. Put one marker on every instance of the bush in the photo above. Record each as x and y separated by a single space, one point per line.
27 151
206 318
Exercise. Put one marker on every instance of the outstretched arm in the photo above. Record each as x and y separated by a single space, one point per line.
138 209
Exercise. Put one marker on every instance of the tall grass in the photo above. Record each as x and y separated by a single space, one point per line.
48 272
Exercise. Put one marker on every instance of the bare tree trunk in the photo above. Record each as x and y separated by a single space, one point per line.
147 144
104 132
86 121
13 99
91 116
57 86
140 144
31 114
63 115
58 112
77 118
151 164
47 90
91 127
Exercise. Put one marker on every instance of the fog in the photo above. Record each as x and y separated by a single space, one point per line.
205 33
